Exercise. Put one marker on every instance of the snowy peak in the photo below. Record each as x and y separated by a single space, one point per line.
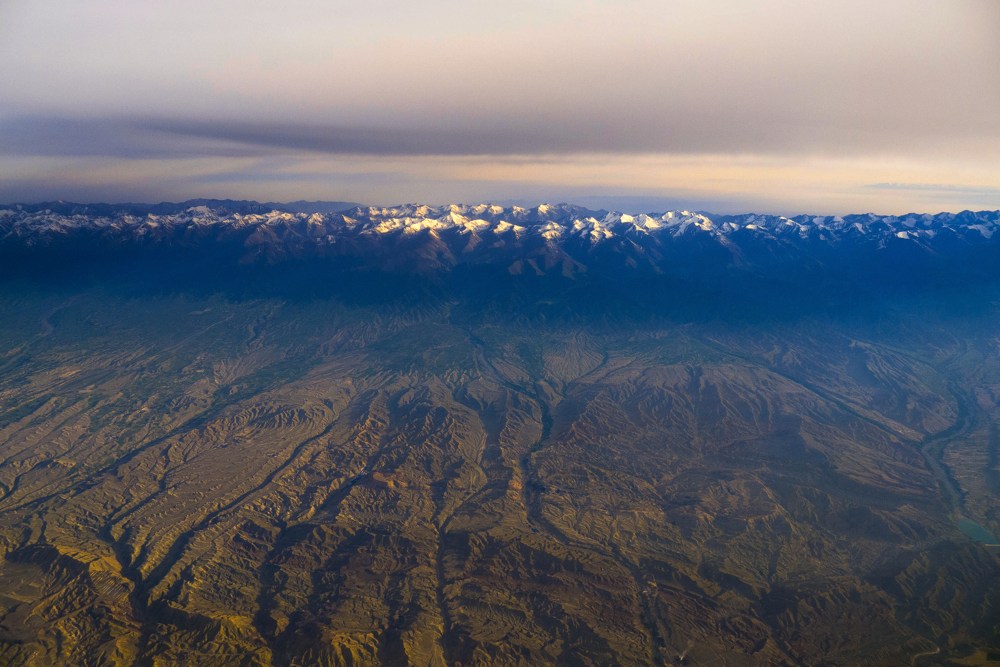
548 235
545 220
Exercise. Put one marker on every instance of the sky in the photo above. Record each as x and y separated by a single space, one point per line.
781 106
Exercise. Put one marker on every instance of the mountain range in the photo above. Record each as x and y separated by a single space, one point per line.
462 228
865 252
257 434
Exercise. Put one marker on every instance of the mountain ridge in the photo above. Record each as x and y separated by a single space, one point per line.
505 226
414 217
511 244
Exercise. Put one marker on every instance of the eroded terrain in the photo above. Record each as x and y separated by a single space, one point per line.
201 480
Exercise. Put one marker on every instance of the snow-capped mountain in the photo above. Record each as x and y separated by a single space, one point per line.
548 239
546 221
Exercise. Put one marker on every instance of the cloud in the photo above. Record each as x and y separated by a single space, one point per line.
716 183
937 188
946 195
179 137
901 89
774 76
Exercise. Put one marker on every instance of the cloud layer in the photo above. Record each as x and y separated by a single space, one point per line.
899 89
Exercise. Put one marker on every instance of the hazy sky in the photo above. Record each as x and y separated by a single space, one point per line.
786 106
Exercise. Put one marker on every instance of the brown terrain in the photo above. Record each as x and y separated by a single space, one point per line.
204 481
